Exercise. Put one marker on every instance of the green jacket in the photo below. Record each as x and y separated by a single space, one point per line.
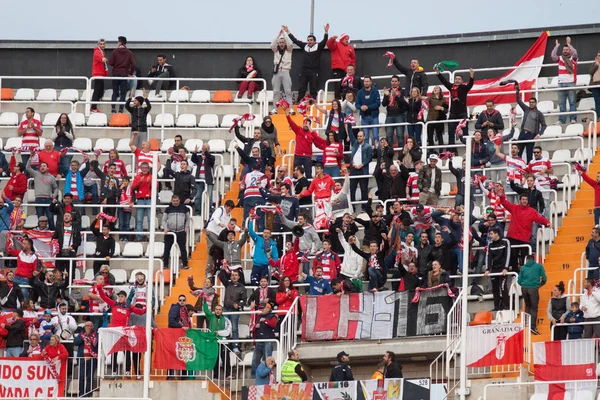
532 275
220 325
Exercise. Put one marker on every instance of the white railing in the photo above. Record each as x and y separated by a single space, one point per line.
445 370
584 384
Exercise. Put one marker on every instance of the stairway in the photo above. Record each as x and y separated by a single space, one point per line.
565 253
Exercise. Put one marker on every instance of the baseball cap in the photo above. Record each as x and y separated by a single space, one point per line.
342 354
43 218
420 207
434 157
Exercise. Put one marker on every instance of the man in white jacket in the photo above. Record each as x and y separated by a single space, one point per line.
352 265
64 326
590 305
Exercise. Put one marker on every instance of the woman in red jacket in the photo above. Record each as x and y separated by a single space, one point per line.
17 184
53 353
286 294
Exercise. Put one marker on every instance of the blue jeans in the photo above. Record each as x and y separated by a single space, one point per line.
235 320
124 222
389 130
258 271
41 211
459 257
414 131
23 281
596 95
262 350
201 186
370 120
93 190
306 162
64 163
120 88
375 278
596 216
563 95
139 215
334 172
529 146
249 204
13 351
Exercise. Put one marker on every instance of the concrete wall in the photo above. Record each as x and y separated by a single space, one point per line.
159 390
223 60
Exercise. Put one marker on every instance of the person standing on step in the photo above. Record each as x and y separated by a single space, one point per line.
123 63
533 125
531 277
559 306
590 305
498 257
595 184
282 47
592 254
458 103
305 138
99 69
218 222
342 55
139 116
176 219
567 77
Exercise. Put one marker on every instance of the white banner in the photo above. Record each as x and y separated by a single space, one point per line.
498 344
27 378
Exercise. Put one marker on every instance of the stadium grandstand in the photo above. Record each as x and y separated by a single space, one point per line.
309 218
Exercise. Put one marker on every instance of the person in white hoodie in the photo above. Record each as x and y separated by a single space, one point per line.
64 326
352 265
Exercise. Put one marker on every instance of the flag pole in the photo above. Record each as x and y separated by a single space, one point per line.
150 277
463 390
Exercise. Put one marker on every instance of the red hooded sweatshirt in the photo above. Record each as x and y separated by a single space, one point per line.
523 218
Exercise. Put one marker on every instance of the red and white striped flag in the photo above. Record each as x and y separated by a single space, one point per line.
567 360
129 338
44 245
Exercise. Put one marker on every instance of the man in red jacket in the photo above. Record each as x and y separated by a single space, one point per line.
596 186
120 309
99 68
342 55
51 157
304 141
17 184
520 228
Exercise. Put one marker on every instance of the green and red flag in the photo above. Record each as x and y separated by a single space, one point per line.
181 349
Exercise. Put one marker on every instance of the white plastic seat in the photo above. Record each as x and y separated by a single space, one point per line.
104 144
35 116
77 119
227 172
123 146
84 93
477 109
97 119
191 144
261 96
208 121
186 120
120 275
47 95
542 82
83 144
13 142
197 221
200 96
586 104
574 130
156 99
25 94
504 109
164 196
372 166
68 95
561 207
553 131
30 196
244 331
562 155
135 271
107 95
31 222
382 117
586 155
181 95
583 80
445 189
227 120
166 145
159 250
217 146
50 119
247 274
247 361
89 248
85 222
89 274
149 120
9 119
117 252
553 83
133 249
166 119
504 317
546 106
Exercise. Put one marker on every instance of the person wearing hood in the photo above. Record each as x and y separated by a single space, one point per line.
531 277
123 65
269 133
139 114
342 55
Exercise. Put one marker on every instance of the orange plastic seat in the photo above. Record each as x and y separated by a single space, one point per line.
482 318
585 133
7 94
166 275
154 144
119 120
454 190
222 96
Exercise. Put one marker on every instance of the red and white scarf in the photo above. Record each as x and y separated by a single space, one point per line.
391 57
348 81
424 107
89 342
245 117
51 365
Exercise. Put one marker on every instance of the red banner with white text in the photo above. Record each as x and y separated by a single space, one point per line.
27 378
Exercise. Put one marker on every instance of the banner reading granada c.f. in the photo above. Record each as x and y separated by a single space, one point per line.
381 315
28 378
490 345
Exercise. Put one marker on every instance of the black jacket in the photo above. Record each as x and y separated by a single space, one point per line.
384 155
341 373
299 186
534 196
15 293
312 56
59 234
174 316
109 187
380 257
392 188
414 107
264 331
400 105
209 165
424 259
59 209
442 254
48 293
498 255
495 118
372 231
459 173
394 370
159 70
416 79
248 142
139 116
104 247
255 297
185 184
234 293
458 105
336 246
16 333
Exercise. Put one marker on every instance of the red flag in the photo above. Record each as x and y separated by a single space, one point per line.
129 338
